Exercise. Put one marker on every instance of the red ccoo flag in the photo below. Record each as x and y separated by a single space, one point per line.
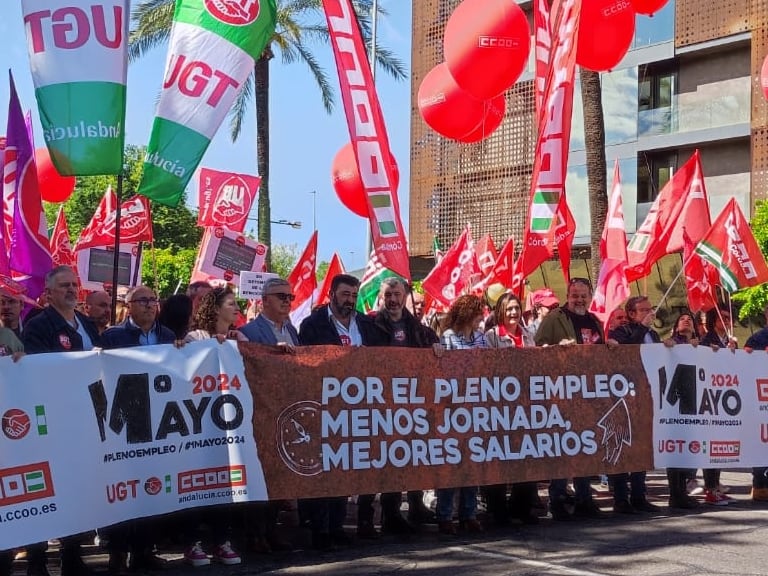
701 278
61 249
303 277
732 249
612 287
454 274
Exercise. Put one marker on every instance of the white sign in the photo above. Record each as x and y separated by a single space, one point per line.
252 283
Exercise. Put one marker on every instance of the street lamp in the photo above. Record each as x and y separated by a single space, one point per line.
285 222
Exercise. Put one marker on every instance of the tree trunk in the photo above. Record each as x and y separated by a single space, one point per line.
594 143
261 76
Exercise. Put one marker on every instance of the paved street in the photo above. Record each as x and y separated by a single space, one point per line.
710 540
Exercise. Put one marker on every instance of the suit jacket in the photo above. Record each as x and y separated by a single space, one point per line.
317 329
259 330
48 331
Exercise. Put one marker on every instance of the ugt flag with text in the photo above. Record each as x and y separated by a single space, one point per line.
211 53
78 57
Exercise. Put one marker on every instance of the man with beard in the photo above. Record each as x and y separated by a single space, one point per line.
10 311
59 327
98 307
338 324
400 328
567 325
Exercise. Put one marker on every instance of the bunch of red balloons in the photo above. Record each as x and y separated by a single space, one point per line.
486 46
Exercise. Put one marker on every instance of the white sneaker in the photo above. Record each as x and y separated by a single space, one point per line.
196 556
226 555
693 487
723 489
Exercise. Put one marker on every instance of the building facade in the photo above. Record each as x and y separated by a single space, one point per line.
691 80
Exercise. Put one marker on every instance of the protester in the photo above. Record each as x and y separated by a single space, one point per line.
196 291
683 332
59 328
759 341
337 323
617 318
567 325
10 312
176 314
462 332
637 329
131 543
543 300
98 307
510 333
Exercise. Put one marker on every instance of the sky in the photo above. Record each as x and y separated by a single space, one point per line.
304 138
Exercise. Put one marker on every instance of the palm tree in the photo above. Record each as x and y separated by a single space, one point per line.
299 22
594 144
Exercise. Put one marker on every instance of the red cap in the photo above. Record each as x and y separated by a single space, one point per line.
545 297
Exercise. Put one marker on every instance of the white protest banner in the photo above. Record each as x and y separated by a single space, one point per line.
709 407
252 283
224 254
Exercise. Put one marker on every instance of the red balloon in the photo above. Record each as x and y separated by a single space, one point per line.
764 78
446 108
493 116
606 30
53 186
486 45
347 182
648 7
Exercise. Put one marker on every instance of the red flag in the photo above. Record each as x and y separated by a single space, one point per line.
453 275
547 211
486 253
105 208
732 249
694 217
135 225
652 239
61 249
566 228
334 269
701 278
303 277
368 134
225 198
502 269
612 287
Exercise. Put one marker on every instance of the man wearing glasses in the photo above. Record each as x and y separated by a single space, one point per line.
141 328
273 326
572 324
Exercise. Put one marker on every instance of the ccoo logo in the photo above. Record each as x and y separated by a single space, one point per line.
234 12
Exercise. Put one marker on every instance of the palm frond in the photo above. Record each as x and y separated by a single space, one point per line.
239 108
389 63
326 91
152 22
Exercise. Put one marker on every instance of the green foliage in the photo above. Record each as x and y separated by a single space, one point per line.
174 267
284 257
174 228
752 301
322 270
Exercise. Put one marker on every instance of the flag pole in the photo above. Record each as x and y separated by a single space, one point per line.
676 278
116 255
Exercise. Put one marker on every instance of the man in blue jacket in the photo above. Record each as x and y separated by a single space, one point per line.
273 326
141 328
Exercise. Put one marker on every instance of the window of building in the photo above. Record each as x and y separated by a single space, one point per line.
656 99
653 172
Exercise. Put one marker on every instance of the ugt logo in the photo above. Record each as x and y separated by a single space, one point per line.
683 391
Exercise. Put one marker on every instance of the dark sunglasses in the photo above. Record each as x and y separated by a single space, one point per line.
584 281
283 296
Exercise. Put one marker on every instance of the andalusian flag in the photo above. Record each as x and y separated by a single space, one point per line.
370 284
213 47
78 56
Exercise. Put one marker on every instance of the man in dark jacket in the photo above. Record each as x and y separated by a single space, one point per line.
141 328
638 330
59 328
338 324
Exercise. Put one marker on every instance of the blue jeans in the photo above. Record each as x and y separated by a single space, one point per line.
467 503
558 489
637 486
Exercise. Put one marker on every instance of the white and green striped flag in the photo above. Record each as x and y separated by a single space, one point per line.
371 283
78 57
212 50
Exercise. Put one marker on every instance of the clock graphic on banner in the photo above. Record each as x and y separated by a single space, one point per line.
298 438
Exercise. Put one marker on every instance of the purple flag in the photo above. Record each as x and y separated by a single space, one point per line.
4 267
30 256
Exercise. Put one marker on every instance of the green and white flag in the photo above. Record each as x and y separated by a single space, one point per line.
78 57
213 47
368 293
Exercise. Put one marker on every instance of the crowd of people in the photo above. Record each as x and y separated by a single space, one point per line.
498 320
